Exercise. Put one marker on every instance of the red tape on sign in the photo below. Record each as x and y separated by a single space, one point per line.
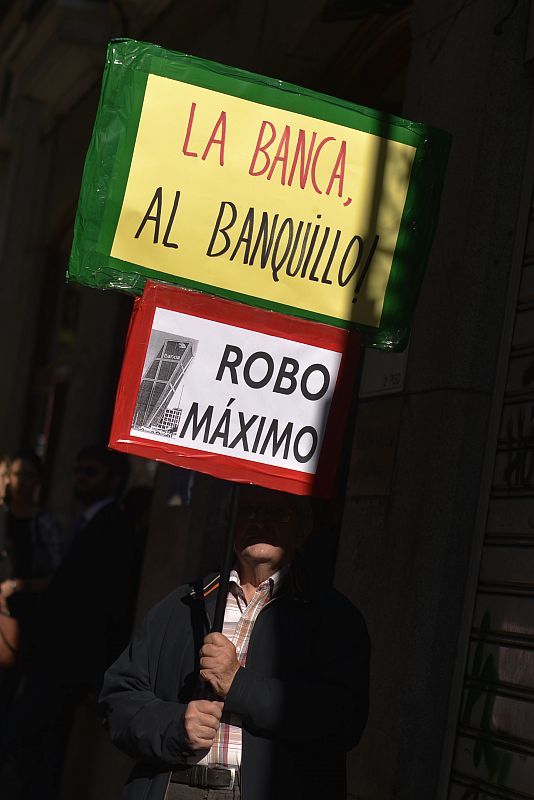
240 393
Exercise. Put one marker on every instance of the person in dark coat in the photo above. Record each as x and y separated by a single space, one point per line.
92 596
6 566
266 710
31 549
87 616
34 542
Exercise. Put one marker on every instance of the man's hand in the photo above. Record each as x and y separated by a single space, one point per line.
218 663
201 722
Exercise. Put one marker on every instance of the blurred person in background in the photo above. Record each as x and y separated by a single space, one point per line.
86 620
32 546
6 569
5 466
33 538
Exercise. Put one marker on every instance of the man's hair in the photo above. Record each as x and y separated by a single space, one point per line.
31 457
117 464
300 504
5 459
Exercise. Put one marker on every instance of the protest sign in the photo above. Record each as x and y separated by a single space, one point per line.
249 188
237 392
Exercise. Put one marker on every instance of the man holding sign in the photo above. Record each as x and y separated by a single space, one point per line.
316 215
283 691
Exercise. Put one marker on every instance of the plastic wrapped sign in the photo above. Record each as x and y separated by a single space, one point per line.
237 392
256 190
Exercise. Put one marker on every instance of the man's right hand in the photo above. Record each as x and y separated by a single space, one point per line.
201 722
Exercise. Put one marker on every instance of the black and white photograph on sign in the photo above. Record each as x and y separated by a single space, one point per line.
157 409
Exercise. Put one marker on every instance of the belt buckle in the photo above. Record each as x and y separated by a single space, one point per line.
232 772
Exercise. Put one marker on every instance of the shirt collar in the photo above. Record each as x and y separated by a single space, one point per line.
275 581
93 510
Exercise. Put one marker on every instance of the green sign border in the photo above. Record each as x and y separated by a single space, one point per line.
109 157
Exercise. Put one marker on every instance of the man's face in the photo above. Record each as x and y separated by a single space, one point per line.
268 528
24 479
4 480
92 481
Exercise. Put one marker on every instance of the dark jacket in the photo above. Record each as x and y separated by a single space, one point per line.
91 599
302 696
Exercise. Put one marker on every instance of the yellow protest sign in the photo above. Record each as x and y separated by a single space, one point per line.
262 201
258 191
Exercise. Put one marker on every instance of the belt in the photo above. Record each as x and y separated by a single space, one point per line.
206 777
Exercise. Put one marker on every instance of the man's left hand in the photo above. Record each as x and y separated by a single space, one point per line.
218 663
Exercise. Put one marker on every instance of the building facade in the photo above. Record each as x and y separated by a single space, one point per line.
159 385
432 532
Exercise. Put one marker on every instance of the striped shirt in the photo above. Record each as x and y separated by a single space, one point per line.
239 619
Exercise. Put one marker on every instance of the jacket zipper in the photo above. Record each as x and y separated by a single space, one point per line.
167 786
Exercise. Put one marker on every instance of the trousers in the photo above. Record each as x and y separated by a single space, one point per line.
179 791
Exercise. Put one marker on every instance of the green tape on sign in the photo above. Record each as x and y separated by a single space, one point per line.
253 189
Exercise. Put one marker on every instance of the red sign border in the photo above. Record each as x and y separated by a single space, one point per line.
238 315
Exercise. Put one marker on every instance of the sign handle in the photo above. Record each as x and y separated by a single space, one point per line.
224 580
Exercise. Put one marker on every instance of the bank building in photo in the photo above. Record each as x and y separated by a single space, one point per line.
158 387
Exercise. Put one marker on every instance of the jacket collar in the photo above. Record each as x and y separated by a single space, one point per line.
297 584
